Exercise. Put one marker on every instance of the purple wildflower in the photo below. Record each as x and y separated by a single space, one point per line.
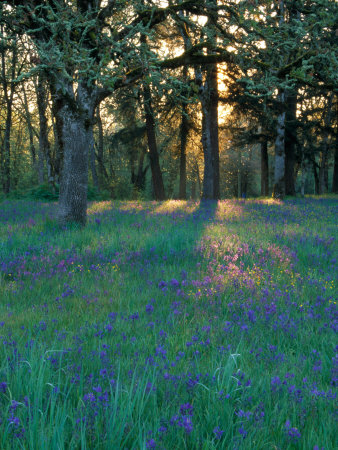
151 443
174 283
292 432
218 432
161 351
186 423
242 432
186 409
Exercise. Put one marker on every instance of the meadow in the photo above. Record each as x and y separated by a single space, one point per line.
172 325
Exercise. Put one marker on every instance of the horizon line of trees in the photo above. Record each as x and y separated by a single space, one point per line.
128 95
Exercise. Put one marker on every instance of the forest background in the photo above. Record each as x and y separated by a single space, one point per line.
167 99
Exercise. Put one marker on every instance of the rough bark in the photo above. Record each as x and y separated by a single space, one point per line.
278 191
156 173
264 168
210 140
76 138
291 113
279 174
212 77
208 175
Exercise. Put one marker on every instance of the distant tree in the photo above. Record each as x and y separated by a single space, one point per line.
280 67
9 72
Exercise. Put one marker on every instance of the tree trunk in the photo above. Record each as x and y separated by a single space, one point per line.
208 93
316 178
183 157
210 141
279 175
8 91
58 133
156 173
212 77
7 150
208 176
324 154
211 187
198 180
193 189
303 178
102 173
77 131
92 160
30 132
44 147
278 191
140 181
290 141
264 168
239 175
335 172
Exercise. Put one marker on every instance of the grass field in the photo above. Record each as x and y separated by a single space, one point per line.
173 325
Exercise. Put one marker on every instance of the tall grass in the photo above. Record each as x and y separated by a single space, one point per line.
169 325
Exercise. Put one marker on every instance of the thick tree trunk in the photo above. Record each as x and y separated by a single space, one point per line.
210 142
264 168
77 130
212 76
290 142
279 175
278 191
208 175
208 93
74 178
156 173
184 129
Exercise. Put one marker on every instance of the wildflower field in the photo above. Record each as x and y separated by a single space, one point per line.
173 325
